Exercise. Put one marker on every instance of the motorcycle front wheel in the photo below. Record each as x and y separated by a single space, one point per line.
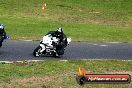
37 52
0 44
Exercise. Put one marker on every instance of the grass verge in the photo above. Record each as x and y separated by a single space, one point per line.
82 20
59 74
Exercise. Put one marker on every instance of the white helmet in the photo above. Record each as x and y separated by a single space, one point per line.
60 30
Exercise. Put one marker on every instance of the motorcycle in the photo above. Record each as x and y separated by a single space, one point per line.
2 38
47 47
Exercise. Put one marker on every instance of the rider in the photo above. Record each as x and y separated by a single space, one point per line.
60 35
62 38
2 32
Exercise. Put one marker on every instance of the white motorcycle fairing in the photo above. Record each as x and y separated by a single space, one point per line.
47 42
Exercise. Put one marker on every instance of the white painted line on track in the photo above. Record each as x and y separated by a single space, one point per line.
95 44
114 42
104 59
27 40
10 62
7 62
103 45
64 60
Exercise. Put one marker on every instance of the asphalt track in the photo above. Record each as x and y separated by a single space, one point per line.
22 50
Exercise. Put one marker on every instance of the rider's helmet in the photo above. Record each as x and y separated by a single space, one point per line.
59 30
1 27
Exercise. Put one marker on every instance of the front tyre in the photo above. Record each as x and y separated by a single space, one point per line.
37 52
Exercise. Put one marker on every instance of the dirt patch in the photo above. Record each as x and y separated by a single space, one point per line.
36 80
33 79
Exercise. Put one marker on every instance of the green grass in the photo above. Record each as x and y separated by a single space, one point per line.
82 20
56 74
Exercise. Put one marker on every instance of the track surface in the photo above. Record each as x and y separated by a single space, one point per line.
22 50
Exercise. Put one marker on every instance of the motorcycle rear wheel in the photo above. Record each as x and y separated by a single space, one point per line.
0 44
37 52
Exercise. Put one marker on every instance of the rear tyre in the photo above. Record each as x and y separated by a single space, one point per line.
37 52
0 44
